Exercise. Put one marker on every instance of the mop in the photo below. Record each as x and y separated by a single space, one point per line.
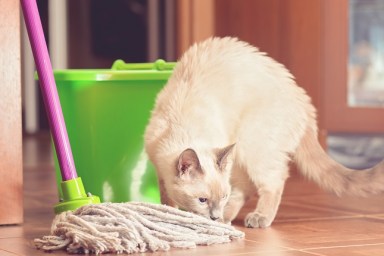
82 223
131 228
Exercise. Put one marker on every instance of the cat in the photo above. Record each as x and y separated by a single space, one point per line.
227 125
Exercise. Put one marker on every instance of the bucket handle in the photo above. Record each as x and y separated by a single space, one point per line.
159 65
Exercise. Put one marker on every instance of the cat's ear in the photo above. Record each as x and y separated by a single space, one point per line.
188 164
222 156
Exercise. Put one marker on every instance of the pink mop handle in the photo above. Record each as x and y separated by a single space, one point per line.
48 89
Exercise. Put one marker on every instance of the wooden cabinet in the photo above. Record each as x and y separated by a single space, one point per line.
11 168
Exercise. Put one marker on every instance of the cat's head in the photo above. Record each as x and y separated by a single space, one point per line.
202 183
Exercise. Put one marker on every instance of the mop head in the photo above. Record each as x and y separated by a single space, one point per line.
131 228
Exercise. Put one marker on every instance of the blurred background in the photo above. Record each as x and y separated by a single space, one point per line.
335 49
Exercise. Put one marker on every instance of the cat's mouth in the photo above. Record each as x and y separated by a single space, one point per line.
210 217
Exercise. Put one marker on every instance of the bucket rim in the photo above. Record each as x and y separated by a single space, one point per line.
109 75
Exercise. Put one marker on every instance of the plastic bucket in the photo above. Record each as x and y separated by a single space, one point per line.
106 112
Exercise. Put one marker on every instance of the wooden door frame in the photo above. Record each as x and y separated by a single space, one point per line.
195 22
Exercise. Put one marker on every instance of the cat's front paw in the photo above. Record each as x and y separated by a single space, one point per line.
256 220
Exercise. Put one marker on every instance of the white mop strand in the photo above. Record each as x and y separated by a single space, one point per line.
132 227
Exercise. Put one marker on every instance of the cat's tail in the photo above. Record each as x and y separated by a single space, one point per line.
314 163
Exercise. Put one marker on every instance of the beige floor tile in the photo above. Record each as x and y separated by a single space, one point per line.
22 247
291 211
358 250
233 248
353 205
329 233
6 253
11 231
283 253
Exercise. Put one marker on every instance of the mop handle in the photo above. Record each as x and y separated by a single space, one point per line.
48 89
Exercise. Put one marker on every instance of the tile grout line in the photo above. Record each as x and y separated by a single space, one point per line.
375 217
321 218
262 251
279 248
341 246
312 253
10 252
292 202
320 207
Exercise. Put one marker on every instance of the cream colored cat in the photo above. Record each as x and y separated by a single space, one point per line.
227 125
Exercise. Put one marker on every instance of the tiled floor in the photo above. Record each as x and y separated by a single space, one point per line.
309 222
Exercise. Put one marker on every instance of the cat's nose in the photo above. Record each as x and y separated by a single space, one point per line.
214 218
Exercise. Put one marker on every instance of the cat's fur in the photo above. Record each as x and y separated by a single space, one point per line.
226 126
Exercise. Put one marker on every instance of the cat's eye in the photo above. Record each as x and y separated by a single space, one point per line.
203 200
224 196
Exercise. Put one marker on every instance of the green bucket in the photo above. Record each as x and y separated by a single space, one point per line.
106 112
